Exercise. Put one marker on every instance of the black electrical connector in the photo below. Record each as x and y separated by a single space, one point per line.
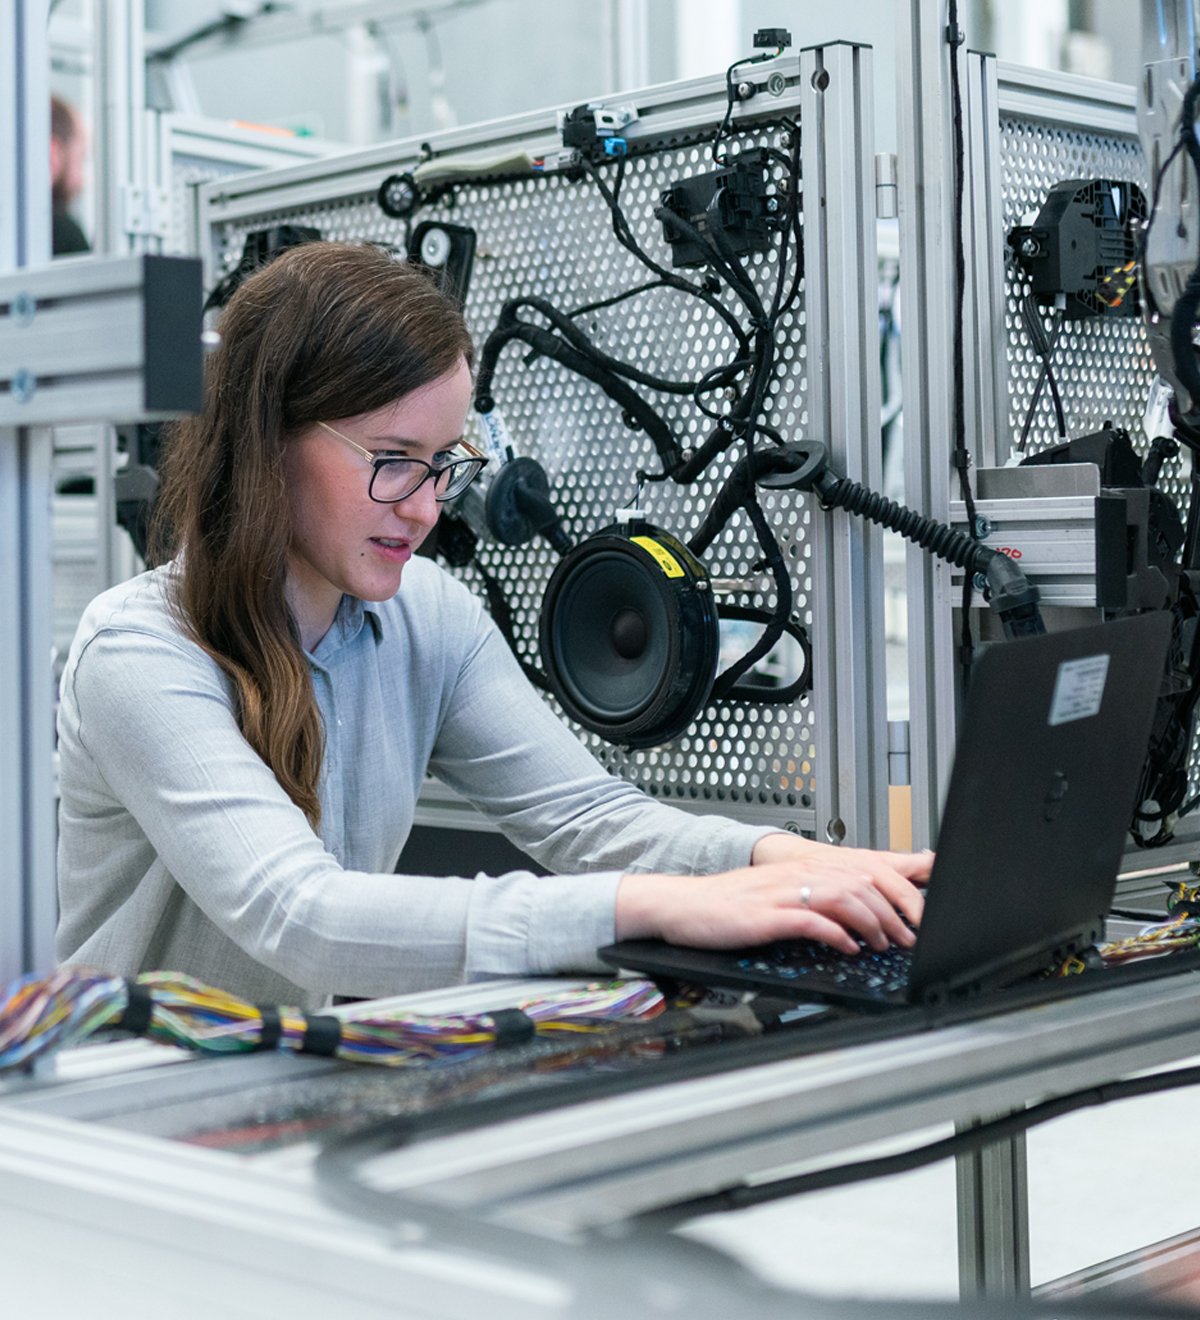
595 131
779 38
1084 245
519 506
731 201
579 131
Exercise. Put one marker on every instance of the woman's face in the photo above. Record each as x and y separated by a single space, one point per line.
342 540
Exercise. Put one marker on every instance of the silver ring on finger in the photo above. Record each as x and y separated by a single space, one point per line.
806 896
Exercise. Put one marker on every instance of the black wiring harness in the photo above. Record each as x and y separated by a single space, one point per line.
1186 311
557 335
550 332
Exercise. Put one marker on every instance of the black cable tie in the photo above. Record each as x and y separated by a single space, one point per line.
955 36
512 1027
322 1035
272 1027
961 460
139 1008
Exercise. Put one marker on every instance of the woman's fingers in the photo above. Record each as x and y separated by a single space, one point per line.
913 866
860 907
896 887
777 900
901 894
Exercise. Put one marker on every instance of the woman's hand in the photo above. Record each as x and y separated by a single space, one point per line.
794 889
895 875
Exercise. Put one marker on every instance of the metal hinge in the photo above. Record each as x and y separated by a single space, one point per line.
899 760
886 191
145 211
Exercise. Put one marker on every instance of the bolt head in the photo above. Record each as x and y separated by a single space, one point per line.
23 385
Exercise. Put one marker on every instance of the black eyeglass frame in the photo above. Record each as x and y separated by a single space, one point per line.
476 459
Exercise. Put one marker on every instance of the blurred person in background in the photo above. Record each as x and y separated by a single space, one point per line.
68 151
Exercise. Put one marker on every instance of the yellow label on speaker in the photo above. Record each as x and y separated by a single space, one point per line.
666 561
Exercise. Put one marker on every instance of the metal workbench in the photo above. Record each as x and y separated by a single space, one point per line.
527 1203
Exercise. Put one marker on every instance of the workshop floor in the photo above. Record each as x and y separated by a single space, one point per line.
1102 1183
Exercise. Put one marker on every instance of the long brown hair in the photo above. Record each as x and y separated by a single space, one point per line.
327 330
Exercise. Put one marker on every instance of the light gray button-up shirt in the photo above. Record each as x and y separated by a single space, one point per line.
178 850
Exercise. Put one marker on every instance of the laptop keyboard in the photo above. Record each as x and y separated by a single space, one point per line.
870 970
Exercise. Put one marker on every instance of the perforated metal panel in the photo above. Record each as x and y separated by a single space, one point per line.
1032 131
186 173
551 237
1102 364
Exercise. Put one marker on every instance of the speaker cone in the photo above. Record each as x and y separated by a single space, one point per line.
629 635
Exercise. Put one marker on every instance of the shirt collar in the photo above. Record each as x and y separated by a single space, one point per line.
369 610
348 622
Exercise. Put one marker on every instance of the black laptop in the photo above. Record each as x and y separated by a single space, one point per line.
1050 748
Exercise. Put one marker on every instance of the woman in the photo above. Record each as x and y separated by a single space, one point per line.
245 729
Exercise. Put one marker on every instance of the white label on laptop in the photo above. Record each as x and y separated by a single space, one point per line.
1079 689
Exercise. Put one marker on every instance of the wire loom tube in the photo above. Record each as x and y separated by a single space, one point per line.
1012 596
955 547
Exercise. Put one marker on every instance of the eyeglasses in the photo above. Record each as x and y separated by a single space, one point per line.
395 479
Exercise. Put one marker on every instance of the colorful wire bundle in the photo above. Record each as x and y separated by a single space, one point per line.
42 1014
1112 288
1184 899
1179 932
38 1015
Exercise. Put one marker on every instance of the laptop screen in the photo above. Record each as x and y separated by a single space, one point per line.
1050 750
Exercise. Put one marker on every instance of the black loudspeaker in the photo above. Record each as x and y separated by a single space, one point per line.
630 636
